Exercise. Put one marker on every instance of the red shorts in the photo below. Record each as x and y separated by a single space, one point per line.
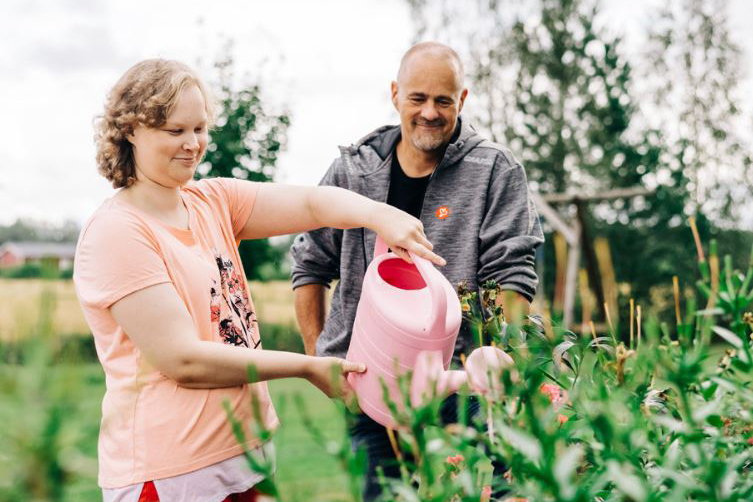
149 494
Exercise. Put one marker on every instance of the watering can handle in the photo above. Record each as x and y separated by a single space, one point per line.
438 295
428 273
380 247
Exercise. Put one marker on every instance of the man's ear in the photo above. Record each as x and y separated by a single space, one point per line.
463 95
393 93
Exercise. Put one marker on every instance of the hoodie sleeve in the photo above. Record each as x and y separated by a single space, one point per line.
510 231
316 254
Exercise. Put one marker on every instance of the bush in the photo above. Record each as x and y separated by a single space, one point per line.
44 422
664 417
31 270
66 273
281 337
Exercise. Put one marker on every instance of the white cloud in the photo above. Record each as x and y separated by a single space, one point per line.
330 62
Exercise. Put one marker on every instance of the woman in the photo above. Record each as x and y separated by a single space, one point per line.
162 287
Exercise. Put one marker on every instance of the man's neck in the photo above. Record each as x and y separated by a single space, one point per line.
417 163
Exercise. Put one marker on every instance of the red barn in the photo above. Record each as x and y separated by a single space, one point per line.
51 254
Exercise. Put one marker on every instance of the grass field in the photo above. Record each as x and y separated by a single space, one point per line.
33 396
21 299
304 470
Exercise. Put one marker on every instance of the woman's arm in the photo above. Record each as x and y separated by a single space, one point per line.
287 209
158 323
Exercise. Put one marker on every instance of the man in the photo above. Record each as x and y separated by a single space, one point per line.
470 194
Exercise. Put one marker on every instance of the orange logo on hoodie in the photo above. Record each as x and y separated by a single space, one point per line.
443 212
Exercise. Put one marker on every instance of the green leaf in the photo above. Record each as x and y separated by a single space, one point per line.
729 336
700 414
709 391
715 420
626 482
565 467
670 423
526 444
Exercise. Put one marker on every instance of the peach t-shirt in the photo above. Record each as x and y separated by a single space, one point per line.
151 427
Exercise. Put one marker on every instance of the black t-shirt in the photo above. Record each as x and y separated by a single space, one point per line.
406 193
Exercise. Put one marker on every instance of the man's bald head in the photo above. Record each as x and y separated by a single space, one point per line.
429 96
432 52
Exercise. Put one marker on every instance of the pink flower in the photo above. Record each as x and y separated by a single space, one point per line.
455 460
561 419
557 396
486 493
750 440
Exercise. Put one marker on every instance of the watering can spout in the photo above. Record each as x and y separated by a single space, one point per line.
431 380
483 370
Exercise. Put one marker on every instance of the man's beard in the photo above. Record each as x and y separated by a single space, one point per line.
428 141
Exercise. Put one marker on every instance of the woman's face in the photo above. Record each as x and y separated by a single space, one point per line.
168 155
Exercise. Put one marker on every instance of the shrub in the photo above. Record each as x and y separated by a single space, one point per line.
663 417
31 270
281 337
66 273
44 423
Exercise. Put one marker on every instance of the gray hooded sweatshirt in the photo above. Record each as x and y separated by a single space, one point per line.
477 212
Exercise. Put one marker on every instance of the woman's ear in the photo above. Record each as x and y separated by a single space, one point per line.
131 134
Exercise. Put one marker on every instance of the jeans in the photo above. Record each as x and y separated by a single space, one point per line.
368 434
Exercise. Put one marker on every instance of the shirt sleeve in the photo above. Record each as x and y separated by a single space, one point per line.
236 196
510 231
116 256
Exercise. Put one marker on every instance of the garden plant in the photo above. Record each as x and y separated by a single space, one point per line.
646 412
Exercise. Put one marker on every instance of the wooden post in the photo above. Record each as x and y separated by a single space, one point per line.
606 272
589 255
571 279
573 234
560 263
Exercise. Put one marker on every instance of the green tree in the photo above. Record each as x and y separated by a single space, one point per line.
30 230
698 108
245 143
557 89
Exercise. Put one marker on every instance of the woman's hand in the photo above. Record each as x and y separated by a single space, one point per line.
328 375
402 233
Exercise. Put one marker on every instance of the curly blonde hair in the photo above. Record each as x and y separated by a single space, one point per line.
145 95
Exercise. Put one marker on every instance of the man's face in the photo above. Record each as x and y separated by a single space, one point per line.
428 97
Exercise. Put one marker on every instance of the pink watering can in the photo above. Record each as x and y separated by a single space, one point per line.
404 309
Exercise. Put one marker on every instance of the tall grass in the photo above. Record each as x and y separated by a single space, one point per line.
662 416
51 390
601 416
21 301
45 413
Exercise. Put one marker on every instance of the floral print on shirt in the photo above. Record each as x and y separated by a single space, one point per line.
231 308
